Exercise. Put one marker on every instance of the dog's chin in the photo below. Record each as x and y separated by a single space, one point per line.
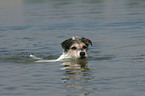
82 57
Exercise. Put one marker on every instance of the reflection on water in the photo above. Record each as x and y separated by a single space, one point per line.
76 77
80 64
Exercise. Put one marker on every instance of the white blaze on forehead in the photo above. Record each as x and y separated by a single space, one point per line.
74 38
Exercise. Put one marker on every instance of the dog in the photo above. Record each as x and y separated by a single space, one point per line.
73 49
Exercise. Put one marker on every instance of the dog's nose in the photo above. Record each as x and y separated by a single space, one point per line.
82 54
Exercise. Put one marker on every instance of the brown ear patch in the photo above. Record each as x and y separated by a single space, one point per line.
86 41
66 44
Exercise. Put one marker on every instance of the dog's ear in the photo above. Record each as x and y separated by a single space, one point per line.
86 41
66 44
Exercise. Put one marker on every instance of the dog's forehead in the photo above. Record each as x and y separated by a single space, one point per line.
76 40
78 44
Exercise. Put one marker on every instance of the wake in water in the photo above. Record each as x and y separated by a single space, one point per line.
69 63
63 57
41 59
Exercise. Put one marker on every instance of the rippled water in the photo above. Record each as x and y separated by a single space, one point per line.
116 63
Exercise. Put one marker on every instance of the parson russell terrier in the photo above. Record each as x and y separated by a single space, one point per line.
74 48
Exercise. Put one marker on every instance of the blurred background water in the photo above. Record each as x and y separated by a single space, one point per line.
116 62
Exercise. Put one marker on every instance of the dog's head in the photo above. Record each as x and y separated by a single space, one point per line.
76 47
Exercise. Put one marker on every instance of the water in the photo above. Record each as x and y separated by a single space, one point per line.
115 66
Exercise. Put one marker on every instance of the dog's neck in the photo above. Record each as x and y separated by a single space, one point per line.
67 57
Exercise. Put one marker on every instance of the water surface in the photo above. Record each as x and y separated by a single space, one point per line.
115 66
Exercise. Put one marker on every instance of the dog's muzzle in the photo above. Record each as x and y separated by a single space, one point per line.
82 54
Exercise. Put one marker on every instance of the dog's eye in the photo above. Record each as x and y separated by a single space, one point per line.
84 47
74 48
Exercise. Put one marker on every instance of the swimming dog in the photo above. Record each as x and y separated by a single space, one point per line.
73 49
